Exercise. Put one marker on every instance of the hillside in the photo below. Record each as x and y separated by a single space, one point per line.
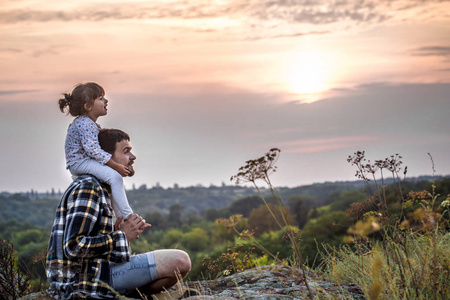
39 208
187 219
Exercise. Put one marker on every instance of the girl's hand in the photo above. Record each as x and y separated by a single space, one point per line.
122 169
118 224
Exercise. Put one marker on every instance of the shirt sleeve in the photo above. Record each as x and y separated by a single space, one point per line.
89 140
85 222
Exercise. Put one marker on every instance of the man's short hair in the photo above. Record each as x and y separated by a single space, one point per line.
108 138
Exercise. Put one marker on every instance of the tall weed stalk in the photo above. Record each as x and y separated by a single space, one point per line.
401 245
260 169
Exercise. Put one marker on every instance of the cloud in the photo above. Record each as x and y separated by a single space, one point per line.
432 51
235 20
330 12
319 13
277 36
290 12
128 11
363 115
50 50
18 16
328 144
10 50
13 92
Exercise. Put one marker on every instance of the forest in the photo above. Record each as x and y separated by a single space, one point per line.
195 219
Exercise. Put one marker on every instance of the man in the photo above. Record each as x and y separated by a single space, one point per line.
87 257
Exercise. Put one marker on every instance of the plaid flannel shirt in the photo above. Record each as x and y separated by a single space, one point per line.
82 243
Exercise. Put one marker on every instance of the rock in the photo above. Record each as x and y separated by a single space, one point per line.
271 282
264 283
36 296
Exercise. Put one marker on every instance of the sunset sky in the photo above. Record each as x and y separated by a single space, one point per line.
203 86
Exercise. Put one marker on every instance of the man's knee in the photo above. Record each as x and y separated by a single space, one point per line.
169 262
183 263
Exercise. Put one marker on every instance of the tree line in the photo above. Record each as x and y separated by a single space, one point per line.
187 218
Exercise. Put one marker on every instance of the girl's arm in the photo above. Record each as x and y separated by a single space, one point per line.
89 139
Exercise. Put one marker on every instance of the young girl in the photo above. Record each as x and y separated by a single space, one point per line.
83 152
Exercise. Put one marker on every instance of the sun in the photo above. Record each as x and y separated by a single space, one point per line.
307 74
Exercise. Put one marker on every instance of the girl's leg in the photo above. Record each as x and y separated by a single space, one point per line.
111 177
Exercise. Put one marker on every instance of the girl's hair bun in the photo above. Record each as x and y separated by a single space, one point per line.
68 98
64 102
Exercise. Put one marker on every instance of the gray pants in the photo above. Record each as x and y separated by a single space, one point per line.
109 176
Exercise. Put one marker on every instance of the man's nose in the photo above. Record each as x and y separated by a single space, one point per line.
132 157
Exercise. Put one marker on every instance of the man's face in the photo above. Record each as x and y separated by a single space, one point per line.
123 155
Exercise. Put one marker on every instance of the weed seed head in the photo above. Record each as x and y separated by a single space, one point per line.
259 168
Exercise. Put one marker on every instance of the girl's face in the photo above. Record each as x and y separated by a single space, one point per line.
97 109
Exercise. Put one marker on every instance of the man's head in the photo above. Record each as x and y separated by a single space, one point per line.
117 143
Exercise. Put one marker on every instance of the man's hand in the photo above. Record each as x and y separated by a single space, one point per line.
133 227
145 225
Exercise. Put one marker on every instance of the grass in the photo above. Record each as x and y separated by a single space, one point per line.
399 246
398 249
422 272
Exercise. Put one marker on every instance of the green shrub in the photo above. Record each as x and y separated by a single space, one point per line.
400 244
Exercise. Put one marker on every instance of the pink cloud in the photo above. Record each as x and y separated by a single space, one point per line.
328 144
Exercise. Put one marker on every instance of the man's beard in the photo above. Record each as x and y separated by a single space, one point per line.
131 169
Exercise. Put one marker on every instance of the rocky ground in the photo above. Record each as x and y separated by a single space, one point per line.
267 282
272 282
